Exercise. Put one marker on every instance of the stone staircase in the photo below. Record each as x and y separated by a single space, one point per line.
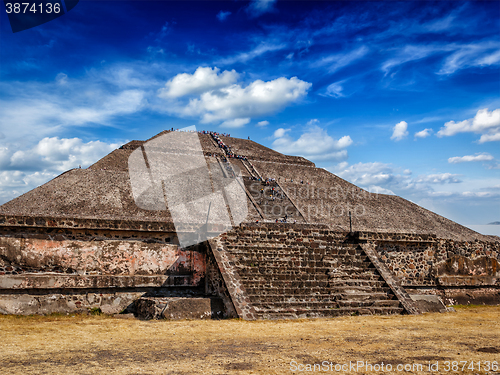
307 277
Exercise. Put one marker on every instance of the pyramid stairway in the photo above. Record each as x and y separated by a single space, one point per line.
305 279
273 209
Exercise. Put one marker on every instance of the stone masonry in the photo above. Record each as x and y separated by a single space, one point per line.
312 245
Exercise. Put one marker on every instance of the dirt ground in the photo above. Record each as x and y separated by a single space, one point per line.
82 344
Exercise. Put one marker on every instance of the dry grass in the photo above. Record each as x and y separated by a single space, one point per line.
105 345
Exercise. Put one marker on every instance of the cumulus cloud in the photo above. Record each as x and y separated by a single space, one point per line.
468 158
278 133
235 102
439 178
261 124
423 133
203 79
235 123
23 170
314 143
400 131
368 174
388 179
53 154
485 122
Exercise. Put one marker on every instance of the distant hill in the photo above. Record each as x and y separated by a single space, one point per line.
495 223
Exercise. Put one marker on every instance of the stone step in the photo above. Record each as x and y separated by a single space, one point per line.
237 234
315 305
281 250
301 263
309 287
279 258
334 297
268 240
300 269
318 292
310 313
299 274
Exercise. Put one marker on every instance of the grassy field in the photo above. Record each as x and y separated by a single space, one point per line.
82 344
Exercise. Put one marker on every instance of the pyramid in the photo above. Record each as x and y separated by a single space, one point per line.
309 244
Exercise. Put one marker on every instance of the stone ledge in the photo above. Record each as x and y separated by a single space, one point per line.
468 281
53 281
78 223
396 237
179 308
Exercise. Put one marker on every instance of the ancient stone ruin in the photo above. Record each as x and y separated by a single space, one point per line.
310 244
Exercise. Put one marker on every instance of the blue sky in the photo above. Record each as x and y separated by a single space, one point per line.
397 97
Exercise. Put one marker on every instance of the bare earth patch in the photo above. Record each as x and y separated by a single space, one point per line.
105 345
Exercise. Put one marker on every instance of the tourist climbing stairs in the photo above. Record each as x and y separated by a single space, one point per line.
273 202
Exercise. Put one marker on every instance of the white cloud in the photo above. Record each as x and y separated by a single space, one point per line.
244 57
259 7
222 15
203 79
462 56
410 53
485 122
471 55
280 132
262 123
23 170
368 174
400 131
257 99
439 178
380 190
235 123
338 61
335 90
54 155
489 138
62 78
468 158
423 133
315 143
386 176
32 110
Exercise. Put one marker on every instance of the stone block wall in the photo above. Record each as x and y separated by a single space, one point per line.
59 265
284 270
459 271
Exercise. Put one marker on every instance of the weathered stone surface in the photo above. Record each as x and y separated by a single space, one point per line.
102 257
178 308
66 301
81 242
428 303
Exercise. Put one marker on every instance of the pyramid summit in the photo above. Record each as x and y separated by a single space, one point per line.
103 191
229 227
